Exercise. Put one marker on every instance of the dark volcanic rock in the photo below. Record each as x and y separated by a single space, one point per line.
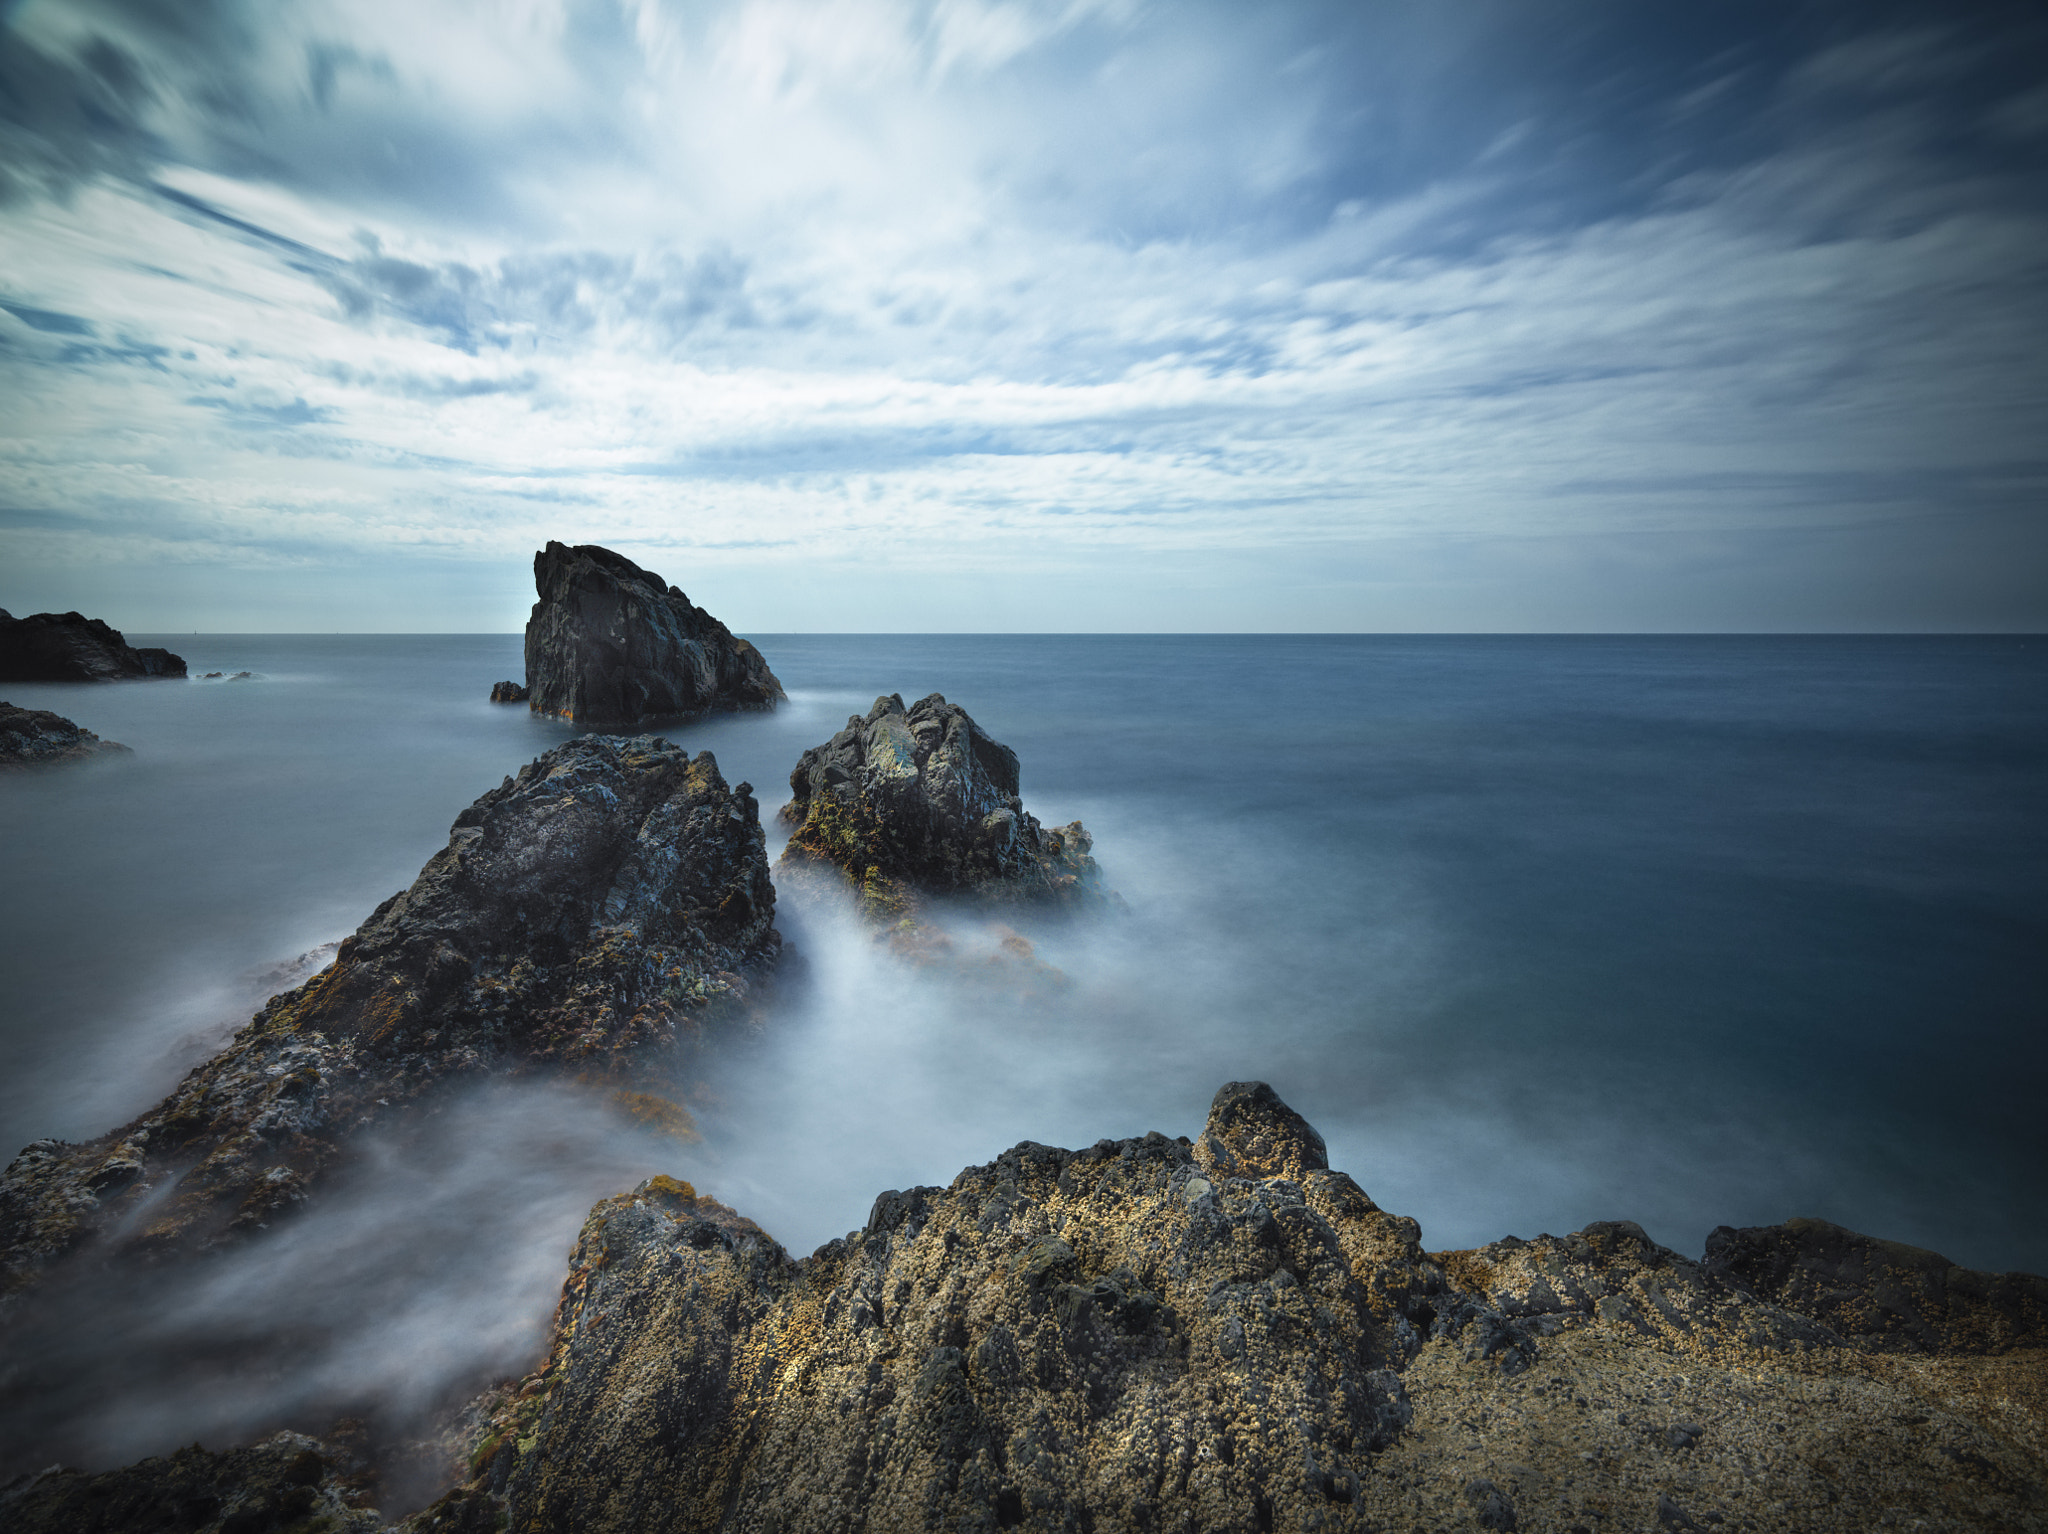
923 801
591 915
30 737
508 692
67 647
288 1484
1218 1336
610 645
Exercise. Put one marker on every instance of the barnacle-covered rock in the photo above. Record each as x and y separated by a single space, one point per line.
591 916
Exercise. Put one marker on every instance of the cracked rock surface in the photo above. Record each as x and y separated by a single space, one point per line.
611 646
591 915
1226 1335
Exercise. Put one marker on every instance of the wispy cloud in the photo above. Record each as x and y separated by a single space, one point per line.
951 286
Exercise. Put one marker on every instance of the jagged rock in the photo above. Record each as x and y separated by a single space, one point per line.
287 1484
69 647
592 914
922 801
1218 1336
30 737
609 645
508 692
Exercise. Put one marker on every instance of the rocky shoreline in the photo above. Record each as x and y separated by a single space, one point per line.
69 647
1217 1334
35 737
1211 1334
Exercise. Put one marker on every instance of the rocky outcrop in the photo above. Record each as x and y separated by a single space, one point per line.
1227 1335
68 647
592 915
922 801
508 692
288 1484
609 645
32 737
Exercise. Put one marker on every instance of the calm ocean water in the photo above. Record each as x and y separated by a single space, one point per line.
1538 931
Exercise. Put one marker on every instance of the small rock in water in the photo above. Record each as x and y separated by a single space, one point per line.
508 692
34 737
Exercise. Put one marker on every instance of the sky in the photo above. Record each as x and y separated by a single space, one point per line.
1027 315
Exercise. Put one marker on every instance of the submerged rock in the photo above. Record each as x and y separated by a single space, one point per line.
922 801
591 915
1224 1335
31 737
69 647
610 645
508 692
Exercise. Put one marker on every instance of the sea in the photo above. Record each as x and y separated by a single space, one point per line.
1537 931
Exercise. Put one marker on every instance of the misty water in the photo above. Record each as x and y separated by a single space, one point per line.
1689 931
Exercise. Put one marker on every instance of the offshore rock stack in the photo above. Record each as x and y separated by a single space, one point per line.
611 646
69 647
911 803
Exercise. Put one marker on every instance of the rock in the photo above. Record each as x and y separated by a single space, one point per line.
508 692
908 803
609 645
31 737
67 647
593 915
1880 1294
1222 1336
286 1483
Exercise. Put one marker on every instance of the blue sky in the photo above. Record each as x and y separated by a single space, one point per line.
1005 315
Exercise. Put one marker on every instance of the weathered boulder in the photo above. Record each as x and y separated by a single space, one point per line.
593 915
31 737
1218 1336
69 647
508 692
609 645
922 801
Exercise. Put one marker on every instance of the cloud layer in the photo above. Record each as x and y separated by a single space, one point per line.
1047 315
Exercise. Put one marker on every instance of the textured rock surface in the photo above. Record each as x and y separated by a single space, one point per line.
609 645
923 801
1227 1335
68 647
592 914
30 737
288 1484
508 692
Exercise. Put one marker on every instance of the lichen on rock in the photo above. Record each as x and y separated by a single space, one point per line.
907 804
1224 1335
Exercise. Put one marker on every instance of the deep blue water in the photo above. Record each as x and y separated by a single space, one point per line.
1536 930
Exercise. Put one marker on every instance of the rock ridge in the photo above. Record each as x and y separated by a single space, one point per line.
594 914
610 645
1226 1335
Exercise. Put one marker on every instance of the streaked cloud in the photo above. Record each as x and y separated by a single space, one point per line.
1140 300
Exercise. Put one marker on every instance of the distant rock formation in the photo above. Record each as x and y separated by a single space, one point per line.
1227 1336
68 647
610 646
508 692
31 737
922 801
593 914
